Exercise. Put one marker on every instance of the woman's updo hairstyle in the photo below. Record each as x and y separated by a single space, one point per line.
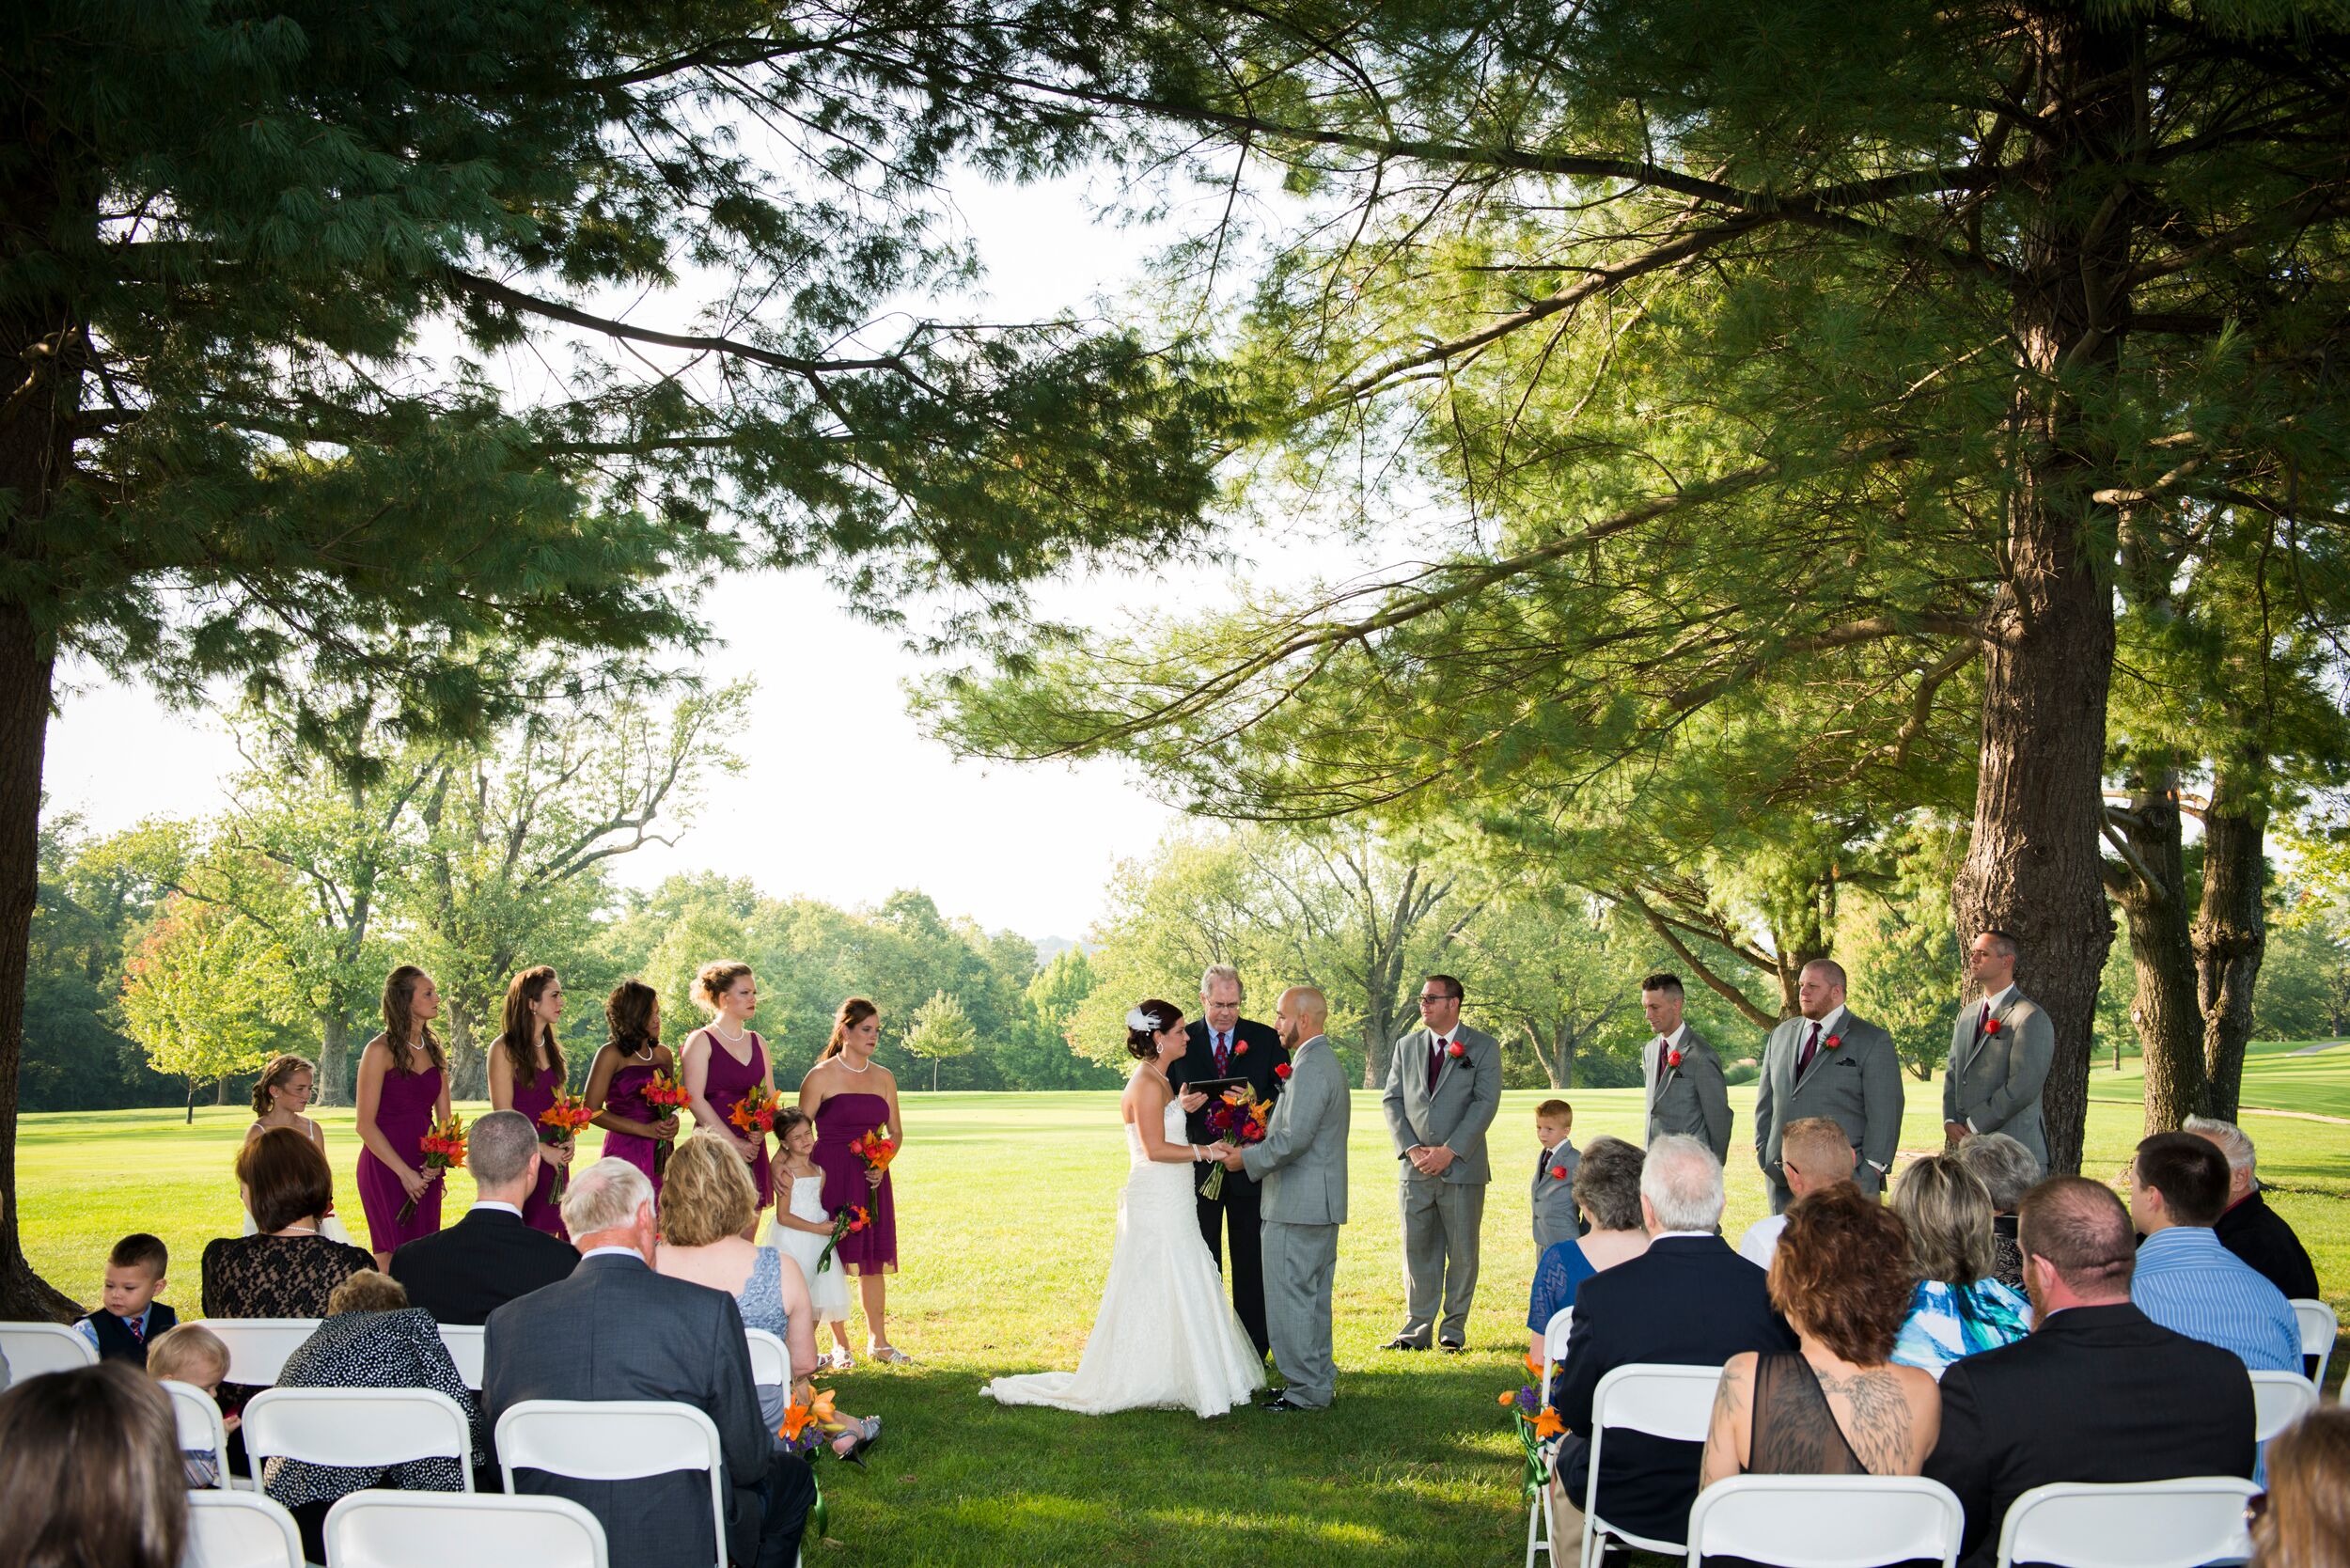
1145 1024
715 980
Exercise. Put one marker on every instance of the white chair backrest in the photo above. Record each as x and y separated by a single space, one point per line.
257 1347
1670 1402
1826 1521
2278 1400
464 1342
239 1530
201 1426
34 1348
2147 1524
771 1362
358 1428
2318 1327
453 1529
614 1440
1555 1334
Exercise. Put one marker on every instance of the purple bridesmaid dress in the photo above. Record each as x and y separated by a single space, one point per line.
625 1096
840 1121
725 1085
538 1209
403 1114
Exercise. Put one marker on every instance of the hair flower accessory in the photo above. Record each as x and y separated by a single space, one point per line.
1137 1019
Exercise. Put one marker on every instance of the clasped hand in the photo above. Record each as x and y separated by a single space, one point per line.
1430 1160
1225 1155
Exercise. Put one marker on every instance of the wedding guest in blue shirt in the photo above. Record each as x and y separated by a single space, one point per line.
1607 1190
2185 1280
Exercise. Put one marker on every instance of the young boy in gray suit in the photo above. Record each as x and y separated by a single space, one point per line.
1554 1176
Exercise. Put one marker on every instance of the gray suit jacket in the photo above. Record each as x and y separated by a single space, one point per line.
615 1329
1691 1098
1554 1197
1302 1161
1468 1092
1857 1085
1993 1083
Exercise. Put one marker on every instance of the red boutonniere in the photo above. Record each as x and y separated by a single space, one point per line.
1557 1172
1672 1058
1456 1050
1833 1041
1281 1070
1241 1049
1991 1026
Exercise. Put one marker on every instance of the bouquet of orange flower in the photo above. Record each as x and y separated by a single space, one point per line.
847 1222
876 1149
1537 1424
1242 1119
803 1431
669 1095
444 1149
560 1124
754 1115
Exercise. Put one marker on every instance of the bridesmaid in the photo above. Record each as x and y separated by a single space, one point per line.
632 1058
280 1095
527 1073
724 1061
849 1096
404 1093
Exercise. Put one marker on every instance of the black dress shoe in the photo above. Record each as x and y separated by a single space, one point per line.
1283 1403
1451 1347
1400 1343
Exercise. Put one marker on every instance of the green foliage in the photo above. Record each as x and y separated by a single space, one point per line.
940 1029
206 993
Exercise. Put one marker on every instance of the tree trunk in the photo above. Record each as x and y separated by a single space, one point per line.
2170 1025
220 1090
335 1057
2231 935
191 1104
2032 869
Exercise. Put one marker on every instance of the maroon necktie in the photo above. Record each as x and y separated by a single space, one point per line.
1435 1062
1223 1055
1980 1019
1810 1049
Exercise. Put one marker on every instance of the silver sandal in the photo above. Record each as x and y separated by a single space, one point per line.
890 1355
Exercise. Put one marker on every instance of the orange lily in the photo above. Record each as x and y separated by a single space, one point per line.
1549 1424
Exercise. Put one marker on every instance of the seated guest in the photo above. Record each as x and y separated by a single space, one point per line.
1958 1307
285 1269
1607 1192
2098 1392
128 1315
1834 1405
1688 1300
192 1353
1817 1155
2306 1521
615 1329
466 1272
90 1472
2249 1227
2185 1279
709 1209
2008 1170
370 1339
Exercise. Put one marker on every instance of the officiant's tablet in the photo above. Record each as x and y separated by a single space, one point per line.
1214 1088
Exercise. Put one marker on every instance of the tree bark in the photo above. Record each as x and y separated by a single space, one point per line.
2150 888
335 1057
2230 933
2034 867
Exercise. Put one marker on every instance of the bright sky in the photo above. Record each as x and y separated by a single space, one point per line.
842 798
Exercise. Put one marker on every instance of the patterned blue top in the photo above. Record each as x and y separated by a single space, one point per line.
1563 1268
2191 1284
1948 1322
760 1301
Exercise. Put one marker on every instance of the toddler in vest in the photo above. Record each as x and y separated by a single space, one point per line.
192 1353
130 1316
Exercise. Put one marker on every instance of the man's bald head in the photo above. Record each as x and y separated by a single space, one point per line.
2079 1230
1307 1002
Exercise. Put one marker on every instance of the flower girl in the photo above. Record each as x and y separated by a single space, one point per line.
801 1227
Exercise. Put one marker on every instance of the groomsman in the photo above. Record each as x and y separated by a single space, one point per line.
1829 1061
2000 1048
1226 1045
1686 1093
1444 1085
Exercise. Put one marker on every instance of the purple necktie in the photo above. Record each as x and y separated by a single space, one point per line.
1810 1049
1435 1063
1222 1055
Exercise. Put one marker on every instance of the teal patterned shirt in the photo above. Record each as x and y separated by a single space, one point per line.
1949 1322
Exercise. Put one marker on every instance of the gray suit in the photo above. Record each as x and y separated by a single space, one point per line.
616 1330
1690 1099
1302 1164
1442 1215
1856 1084
1553 1197
1993 1080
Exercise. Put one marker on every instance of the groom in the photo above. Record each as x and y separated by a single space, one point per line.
1302 1164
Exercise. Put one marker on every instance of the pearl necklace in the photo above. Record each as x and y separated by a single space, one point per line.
735 1038
843 1059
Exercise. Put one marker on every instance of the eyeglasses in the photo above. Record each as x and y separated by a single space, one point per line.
1439 997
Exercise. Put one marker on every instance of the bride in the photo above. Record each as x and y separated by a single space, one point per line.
1164 1336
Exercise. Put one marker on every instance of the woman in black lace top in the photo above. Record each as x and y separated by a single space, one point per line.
286 1269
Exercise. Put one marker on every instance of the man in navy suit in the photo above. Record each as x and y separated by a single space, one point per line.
1688 1301
464 1274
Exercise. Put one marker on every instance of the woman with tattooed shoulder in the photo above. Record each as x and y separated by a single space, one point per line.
1837 1406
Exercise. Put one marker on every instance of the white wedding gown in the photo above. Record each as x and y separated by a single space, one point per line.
1165 1337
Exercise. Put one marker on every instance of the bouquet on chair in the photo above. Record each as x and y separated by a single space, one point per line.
1537 1424
1242 1120
444 1149
560 1124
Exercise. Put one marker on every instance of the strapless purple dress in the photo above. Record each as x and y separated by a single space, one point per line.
625 1096
539 1211
840 1121
403 1114
725 1085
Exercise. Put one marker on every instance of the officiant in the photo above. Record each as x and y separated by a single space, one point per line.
1224 1047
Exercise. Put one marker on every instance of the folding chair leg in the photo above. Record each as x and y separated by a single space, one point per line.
1536 1541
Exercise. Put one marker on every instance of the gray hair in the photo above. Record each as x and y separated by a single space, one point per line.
1682 1183
2003 1165
1608 1184
1215 972
498 1148
605 1197
2230 1138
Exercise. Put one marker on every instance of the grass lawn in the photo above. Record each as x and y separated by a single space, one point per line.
1006 1205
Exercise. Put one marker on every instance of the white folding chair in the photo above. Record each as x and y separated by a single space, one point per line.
2318 1327
1675 1402
358 1428
239 1530
771 1362
614 1440
201 1426
1826 1521
451 1529
34 1348
2146 1524
257 1347
1537 1512
464 1342
2278 1400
